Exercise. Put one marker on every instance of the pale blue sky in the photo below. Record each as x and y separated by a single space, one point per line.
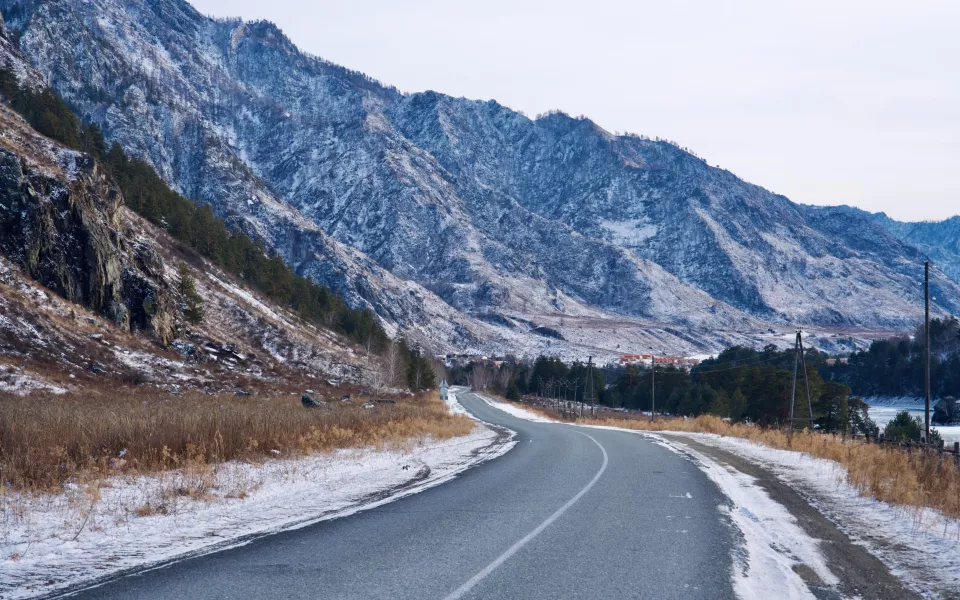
827 102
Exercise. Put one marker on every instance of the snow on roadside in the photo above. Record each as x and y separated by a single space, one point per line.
520 413
773 541
919 546
54 541
454 406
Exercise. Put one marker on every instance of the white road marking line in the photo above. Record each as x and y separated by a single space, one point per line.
469 585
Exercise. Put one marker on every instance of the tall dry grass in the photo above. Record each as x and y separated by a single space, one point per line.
48 441
890 474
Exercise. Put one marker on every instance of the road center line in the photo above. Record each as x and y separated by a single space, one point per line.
469 585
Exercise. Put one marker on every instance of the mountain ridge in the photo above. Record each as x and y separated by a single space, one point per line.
479 208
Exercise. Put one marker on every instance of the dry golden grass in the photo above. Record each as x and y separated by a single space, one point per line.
47 441
890 474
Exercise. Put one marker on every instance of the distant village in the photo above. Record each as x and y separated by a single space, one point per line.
646 360
641 360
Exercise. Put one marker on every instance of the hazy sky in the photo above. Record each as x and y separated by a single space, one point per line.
824 101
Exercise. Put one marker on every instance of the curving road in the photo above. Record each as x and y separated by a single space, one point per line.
568 513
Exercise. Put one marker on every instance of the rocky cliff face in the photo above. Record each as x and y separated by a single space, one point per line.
59 222
457 220
71 253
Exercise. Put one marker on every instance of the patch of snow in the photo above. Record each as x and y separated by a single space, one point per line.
17 381
248 298
49 542
919 546
631 232
454 406
516 411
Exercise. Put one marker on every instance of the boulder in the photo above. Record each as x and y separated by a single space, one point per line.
309 401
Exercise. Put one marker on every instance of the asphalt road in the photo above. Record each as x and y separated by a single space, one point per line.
567 513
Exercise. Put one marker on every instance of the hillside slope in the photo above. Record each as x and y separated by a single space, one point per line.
88 291
940 240
458 221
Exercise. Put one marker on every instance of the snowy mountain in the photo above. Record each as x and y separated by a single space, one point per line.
939 240
88 292
462 223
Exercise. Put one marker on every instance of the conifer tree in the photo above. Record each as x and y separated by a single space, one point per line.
192 303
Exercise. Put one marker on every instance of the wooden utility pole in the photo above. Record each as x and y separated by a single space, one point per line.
926 351
653 384
588 387
800 361
593 391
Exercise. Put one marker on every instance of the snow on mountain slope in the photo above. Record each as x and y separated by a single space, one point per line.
940 240
439 212
78 271
12 59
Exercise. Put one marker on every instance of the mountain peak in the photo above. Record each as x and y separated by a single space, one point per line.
482 210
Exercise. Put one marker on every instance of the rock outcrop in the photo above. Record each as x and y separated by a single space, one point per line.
59 222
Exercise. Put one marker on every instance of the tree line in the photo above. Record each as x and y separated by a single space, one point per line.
200 231
895 366
740 384
749 385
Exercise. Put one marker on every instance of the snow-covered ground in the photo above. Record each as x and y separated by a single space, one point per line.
919 546
90 532
884 408
516 411
774 544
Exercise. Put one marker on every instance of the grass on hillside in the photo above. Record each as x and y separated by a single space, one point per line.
889 474
46 442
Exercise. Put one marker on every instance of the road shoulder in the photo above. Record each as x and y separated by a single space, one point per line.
860 573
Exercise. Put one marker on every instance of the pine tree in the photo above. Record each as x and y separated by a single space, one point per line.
903 428
720 406
192 305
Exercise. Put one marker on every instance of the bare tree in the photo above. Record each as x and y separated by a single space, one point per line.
440 369
375 378
503 376
480 377
390 366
